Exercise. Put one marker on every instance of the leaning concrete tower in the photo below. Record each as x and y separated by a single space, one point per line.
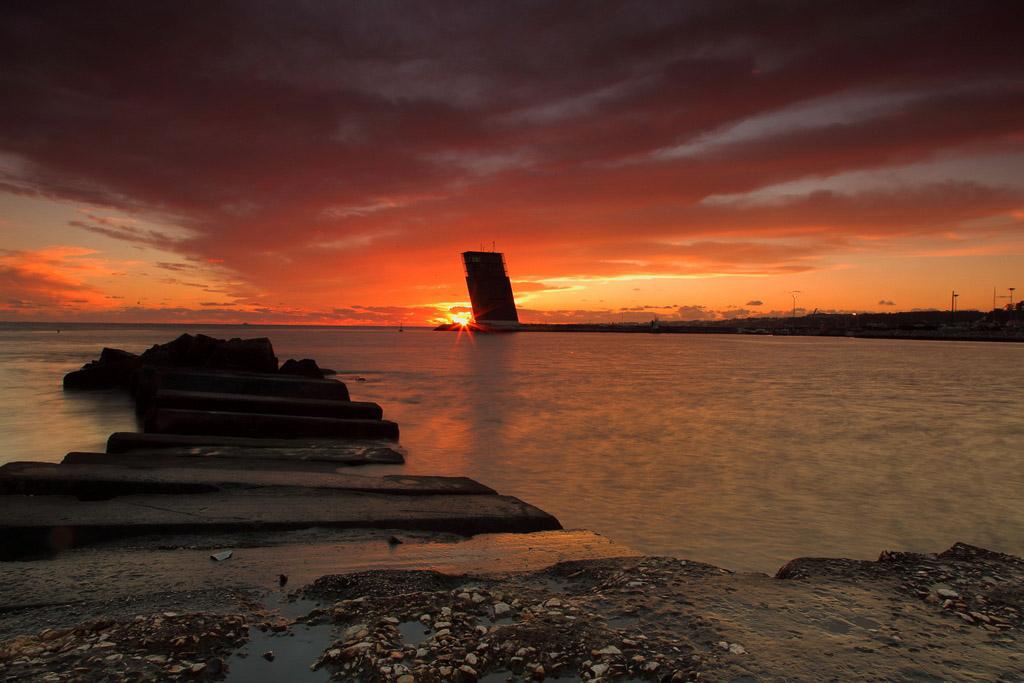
490 290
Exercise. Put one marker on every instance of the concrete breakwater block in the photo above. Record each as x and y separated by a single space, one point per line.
298 459
123 442
36 524
150 380
272 405
174 421
103 481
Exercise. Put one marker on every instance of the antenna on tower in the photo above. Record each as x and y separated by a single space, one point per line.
1003 296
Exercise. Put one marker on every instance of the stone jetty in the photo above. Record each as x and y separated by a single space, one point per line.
232 443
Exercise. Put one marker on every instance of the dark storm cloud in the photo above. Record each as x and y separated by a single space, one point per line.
269 130
127 233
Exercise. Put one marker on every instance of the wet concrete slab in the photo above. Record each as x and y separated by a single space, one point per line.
229 458
176 421
102 481
33 524
272 405
211 444
151 380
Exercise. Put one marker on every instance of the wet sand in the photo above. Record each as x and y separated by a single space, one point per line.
118 578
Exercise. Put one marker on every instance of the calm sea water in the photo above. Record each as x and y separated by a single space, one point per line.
739 451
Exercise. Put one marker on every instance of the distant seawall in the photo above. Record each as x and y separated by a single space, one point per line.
950 334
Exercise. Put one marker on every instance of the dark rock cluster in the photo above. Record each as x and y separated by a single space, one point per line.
115 367
200 351
978 586
165 646
306 367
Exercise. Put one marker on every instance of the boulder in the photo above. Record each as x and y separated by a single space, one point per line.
113 369
173 353
201 351
306 367
250 355
115 356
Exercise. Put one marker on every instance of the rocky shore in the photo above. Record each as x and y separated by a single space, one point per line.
956 615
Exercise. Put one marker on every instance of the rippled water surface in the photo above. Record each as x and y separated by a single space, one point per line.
740 451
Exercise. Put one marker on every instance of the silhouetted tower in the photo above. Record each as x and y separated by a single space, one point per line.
490 290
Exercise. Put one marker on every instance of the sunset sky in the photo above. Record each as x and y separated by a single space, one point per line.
327 162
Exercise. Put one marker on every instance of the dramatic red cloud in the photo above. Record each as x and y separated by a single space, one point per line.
328 162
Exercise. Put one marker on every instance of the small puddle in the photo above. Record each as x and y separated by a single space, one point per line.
496 677
623 622
865 623
837 626
504 676
294 651
498 621
413 632
294 609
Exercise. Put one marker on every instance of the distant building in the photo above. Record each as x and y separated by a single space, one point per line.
490 290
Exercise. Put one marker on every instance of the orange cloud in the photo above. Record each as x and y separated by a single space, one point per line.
50 278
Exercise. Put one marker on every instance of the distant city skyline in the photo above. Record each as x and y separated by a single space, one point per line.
163 163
